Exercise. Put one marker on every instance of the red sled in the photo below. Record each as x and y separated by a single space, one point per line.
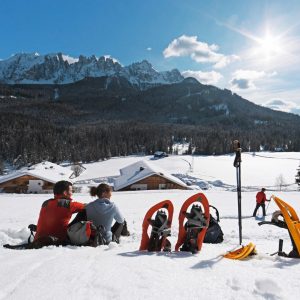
191 233
161 227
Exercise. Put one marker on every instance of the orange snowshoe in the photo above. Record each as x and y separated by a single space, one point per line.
290 222
192 232
160 227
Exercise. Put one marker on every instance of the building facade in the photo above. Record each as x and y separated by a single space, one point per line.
144 175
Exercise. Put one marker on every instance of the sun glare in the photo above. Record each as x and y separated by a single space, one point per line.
269 46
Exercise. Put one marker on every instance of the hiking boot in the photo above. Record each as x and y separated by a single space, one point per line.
167 247
125 231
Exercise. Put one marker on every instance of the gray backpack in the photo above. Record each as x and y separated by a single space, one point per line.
85 233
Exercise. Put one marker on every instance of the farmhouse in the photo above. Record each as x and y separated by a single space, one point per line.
143 175
39 178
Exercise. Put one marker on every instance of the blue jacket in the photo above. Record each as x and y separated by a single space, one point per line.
103 212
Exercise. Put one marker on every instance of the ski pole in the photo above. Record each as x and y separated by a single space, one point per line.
268 205
237 165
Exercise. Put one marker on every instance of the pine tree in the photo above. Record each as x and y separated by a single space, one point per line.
1 166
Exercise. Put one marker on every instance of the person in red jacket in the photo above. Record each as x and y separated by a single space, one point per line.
260 202
55 215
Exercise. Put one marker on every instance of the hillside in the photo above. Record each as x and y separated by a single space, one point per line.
115 98
96 118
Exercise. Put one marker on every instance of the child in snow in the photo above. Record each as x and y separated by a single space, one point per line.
260 202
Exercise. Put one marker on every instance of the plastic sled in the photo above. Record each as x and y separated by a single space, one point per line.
242 252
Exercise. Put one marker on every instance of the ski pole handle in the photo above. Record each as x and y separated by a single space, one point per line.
237 149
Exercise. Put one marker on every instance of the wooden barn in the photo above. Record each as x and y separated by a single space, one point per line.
36 179
143 175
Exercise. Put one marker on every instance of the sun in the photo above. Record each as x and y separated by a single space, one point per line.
269 46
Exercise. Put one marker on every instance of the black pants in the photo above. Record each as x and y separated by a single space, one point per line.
258 205
116 229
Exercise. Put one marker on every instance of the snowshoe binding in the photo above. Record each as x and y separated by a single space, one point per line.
286 218
192 232
161 227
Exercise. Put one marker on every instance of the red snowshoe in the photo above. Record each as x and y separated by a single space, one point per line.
161 227
191 233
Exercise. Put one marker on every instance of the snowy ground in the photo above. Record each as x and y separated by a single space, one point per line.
260 169
122 272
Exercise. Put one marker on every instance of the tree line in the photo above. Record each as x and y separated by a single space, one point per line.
26 140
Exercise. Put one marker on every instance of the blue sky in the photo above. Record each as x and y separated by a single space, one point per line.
251 47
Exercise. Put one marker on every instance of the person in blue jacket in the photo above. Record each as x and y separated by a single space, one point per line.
102 212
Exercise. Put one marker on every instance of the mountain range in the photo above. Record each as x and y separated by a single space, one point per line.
57 68
57 108
93 99
92 89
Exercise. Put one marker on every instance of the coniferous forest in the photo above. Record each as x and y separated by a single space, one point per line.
87 124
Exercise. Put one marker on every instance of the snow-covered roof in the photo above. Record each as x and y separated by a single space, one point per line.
45 170
140 170
160 153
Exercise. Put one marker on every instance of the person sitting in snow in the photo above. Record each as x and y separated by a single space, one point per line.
260 202
102 212
55 215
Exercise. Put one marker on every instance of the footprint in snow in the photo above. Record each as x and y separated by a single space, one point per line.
234 284
267 288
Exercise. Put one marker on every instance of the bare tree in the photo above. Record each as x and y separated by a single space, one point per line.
77 170
298 177
280 181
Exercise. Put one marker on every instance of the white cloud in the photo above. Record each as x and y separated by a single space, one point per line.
245 79
149 49
242 83
200 52
283 105
204 77
226 60
252 74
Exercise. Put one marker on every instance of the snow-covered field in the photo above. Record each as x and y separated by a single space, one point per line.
259 169
123 272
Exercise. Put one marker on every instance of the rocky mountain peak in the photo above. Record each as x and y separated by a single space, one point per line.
57 68
143 66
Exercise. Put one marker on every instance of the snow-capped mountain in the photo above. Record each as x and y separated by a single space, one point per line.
58 68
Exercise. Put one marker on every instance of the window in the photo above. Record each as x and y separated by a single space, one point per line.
162 186
138 187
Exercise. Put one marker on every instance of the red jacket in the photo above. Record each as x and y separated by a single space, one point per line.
261 197
54 218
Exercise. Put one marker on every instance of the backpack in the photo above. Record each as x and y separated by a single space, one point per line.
214 233
85 233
